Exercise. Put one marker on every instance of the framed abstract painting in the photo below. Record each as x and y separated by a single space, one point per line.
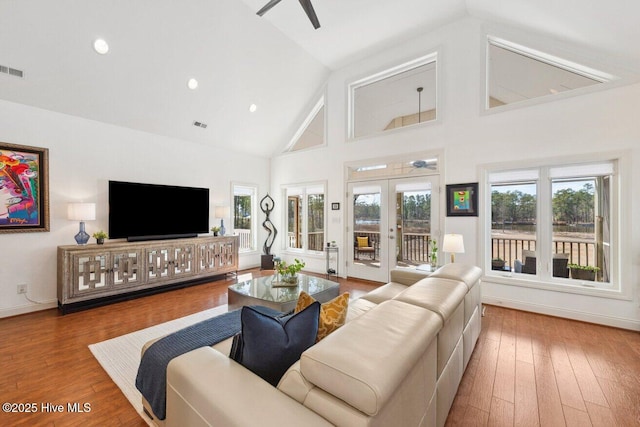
462 199
24 188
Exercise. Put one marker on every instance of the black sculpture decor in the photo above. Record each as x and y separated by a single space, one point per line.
266 205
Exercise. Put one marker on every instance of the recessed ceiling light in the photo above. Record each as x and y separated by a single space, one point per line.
192 84
253 108
101 46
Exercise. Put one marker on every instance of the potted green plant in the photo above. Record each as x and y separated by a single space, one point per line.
289 272
433 257
583 272
100 236
216 230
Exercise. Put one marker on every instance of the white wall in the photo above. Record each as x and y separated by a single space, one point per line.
567 126
83 156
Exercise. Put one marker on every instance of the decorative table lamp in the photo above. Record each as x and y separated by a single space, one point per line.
81 212
454 244
222 212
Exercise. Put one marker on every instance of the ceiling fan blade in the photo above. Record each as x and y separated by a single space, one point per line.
267 7
308 8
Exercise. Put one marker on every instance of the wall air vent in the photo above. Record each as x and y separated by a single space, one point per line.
200 125
11 71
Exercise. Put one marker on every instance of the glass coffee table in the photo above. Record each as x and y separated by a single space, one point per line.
266 291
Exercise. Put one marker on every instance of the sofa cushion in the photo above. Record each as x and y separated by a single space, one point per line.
359 307
408 276
436 294
267 345
333 313
469 274
384 292
376 352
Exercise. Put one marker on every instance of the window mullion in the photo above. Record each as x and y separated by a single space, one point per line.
545 225
305 220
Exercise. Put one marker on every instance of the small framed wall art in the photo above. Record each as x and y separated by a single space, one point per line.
462 199
335 206
24 188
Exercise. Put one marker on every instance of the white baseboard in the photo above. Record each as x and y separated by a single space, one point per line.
617 322
28 308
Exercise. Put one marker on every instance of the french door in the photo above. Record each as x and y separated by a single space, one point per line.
390 224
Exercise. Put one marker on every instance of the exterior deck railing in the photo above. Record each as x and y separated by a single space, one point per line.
315 241
245 238
414 247
508 249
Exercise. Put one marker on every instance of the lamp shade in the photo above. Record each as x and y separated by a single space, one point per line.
81 211
222 211
454 244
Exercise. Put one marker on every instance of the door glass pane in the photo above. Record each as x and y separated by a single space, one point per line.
413 224
513 227
294 221
581 228
366 226
315 222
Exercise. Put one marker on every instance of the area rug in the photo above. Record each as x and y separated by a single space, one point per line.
120 356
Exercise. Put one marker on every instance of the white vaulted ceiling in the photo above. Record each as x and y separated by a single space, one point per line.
278 62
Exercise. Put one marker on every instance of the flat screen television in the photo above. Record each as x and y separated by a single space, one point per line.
150 211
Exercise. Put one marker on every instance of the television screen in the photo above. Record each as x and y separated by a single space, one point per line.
149 211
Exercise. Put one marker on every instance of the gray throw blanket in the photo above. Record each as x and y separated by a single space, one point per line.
151 380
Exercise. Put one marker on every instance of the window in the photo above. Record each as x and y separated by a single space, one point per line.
402 96
421 164
244 216
311 133
305 217
555 224
518 73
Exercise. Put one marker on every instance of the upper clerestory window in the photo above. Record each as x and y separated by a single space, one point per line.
312 131
401 96
517 73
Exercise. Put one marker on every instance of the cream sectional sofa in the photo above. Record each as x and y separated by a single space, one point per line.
397 361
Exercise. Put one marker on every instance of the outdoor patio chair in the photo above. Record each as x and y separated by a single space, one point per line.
362 244
560 264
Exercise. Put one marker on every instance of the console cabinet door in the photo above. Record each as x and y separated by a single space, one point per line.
217 256
170 261
227 254
158 264
126 268
90 273
207 257
182 257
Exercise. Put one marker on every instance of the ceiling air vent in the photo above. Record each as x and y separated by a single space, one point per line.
200 125
11 71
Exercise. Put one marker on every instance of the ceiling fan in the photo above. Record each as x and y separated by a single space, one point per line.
306 5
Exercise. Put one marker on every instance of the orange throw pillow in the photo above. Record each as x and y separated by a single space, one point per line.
333 314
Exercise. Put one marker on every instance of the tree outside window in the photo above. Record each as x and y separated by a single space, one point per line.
244 216
305 218
575 210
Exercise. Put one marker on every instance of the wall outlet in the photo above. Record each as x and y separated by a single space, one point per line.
22 289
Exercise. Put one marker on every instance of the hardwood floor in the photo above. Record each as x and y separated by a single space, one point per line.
534 370
527 369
